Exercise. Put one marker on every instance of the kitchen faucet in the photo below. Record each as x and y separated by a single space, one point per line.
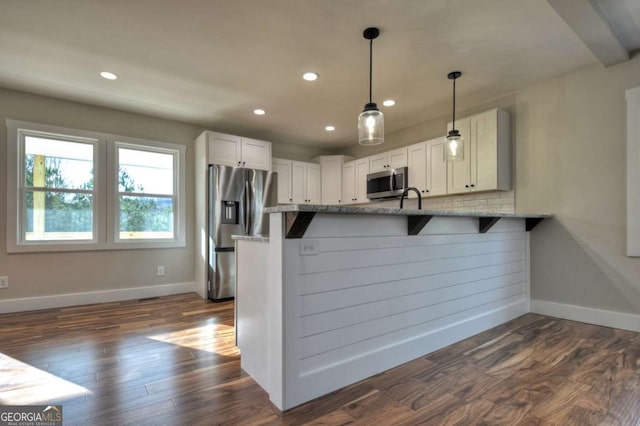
411 188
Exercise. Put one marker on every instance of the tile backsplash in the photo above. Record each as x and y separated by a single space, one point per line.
498 201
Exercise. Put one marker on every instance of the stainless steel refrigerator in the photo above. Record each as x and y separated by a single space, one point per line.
236 199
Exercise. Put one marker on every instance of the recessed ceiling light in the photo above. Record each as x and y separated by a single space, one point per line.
108 75
330 128
259 111
310 76
389 102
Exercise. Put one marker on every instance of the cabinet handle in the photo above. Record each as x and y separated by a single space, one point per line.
473 186
466 186
290 199
427 190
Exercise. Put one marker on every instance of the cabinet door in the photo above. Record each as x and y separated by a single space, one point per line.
459 172
484 132
256 154
417 163
378 162
362 170
283 168
397 158
298 182
224 149
349 182
436 167
313 184
331 184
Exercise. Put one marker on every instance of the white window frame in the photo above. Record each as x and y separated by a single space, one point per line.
106 188
633 172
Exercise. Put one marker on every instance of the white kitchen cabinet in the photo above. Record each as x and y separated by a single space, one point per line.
331 178
349 182
237 151
255 154
417 164
388 160
283 168
305 183
436 168
362 170
354 181
486 165
427 168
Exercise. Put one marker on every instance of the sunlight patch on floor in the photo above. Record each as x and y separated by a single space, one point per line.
23 384
211 337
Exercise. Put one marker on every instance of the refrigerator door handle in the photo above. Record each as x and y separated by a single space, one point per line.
247 207
249 191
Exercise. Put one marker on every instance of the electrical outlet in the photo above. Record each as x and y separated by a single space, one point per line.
4 282
308 247
160 271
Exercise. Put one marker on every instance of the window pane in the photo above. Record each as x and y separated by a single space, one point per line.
58 216
146 217
50 163
145 172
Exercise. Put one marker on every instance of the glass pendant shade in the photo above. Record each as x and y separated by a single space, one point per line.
371 126
453 146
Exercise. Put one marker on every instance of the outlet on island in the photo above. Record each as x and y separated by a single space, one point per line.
308 247
4 282
160 271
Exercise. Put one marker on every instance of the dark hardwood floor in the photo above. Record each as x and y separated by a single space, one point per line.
171 361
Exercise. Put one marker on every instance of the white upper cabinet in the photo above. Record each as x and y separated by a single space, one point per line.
314 184
436 167
362 170
427 168
417 164
283 168
354 181
388 160
486 165
236 151
305 183
256 154
331 182
349 182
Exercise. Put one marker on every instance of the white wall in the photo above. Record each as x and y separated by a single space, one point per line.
571 161
54 274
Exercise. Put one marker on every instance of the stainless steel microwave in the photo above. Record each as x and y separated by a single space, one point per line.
388 183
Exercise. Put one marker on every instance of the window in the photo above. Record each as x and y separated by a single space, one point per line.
146 193
77 190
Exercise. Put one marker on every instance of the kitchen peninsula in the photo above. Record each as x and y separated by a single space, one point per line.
338 293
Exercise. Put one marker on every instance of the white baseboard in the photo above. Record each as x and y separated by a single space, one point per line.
589 315
86 298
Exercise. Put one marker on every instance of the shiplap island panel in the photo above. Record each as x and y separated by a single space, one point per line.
356 295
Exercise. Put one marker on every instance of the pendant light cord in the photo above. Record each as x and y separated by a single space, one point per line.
370 68
453 127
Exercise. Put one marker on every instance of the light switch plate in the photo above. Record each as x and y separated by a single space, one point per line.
4 282
308 247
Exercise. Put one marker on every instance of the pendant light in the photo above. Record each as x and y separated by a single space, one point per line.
454 142
371 120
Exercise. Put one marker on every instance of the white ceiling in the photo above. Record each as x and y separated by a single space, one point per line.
211 62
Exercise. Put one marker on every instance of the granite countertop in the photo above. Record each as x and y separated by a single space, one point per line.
264 239
317 208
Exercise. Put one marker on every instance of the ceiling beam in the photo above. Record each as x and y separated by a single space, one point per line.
592 28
